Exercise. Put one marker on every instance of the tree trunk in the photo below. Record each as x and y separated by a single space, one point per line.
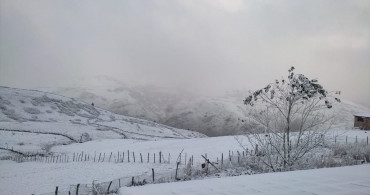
288 148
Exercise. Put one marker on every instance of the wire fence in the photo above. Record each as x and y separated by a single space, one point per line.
183 163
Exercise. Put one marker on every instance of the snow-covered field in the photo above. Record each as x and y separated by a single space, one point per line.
41 177
38 122
213 147
37 178
334 181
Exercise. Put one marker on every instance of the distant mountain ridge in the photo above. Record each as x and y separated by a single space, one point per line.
213 116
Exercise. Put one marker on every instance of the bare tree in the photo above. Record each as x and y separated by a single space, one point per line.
288 117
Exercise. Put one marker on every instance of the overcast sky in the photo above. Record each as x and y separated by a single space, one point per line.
203 46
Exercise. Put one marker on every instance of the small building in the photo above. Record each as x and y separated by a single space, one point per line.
362 121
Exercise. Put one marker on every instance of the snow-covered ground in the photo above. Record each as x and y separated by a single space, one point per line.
48 123
340 180
36 178
32 121
212 146
41 177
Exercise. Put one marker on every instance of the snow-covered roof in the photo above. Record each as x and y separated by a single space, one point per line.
363 114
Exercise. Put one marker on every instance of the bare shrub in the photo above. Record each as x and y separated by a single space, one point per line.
333 155
289 119
85 137
32 110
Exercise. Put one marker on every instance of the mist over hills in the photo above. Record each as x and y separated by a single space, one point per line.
212 115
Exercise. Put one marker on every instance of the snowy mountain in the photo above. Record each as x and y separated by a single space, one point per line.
213 116
43 119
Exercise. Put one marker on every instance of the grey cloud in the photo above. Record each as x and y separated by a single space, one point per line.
205 46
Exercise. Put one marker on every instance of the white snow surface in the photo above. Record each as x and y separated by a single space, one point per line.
41 177
37 178
363 114
212 147
338 181
40 113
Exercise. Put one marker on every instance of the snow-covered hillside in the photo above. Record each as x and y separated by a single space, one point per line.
33 121
213 116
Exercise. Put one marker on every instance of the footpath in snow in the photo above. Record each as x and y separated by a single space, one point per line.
340 180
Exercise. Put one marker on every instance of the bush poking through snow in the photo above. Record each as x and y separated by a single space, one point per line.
30 110
333 155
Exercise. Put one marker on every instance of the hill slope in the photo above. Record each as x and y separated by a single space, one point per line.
43 119
213 116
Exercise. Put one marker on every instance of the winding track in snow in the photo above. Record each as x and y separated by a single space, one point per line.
29 131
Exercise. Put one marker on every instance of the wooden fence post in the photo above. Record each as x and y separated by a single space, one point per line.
153 174
56 190
133 154
160 159
78 186
94 191
222 158
141 158
177 167
128 155
109 187
185 158
148 157
238 157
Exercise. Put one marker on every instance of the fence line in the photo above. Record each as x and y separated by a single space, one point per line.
235 158
124 157
113 157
